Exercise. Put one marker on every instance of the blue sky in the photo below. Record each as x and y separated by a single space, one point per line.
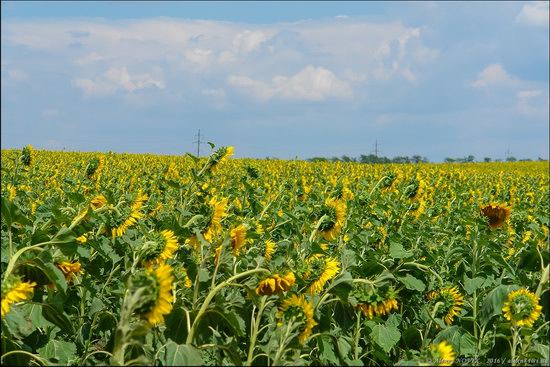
280 79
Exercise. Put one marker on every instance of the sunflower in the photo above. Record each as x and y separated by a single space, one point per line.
218 209
497 214
162 303
160 248
27 155
133 216
220 156
276 284
335 210
522 308
83 238
373 303
98 202
452 302
238 237
13 291
321 269
442 354
12 192
270 248
69 269
301 310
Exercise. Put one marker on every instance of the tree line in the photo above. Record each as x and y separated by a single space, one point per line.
373 159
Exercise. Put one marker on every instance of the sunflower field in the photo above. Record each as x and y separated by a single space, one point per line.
126 259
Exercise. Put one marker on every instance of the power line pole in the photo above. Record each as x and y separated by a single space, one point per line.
199 142
376 151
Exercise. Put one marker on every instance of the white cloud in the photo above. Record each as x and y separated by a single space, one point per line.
493 75
249 41
309 84
525 105
198 56
535 13
89 59
115 79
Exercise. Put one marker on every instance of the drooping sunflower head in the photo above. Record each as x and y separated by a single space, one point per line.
452 303
275 284
98 202
156 284
217 211
220 156
442 354
298 309
238 238
375 301
320 270
69 269
497 214
27 155
522 308
159 247
270 248
14 290
335 212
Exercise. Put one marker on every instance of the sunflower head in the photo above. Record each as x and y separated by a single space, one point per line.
334 211
238 238
320 269
522 308
27 155
69 269
156 300
98 202
297 308
270 249
452 303
14 290
497 214
275 284
220 156
441 354
159 247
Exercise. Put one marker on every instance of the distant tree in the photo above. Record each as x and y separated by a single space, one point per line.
449 160
416 159
401 159
487 159
335 159
470 158
498 160
345 158
511 159
540 159
526 160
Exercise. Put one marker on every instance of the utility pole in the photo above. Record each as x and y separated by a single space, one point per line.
508 153
376 151
199 142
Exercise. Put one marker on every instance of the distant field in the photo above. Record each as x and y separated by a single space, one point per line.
172 260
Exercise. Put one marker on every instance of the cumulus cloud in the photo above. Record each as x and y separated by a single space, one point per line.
493 75
309 84
116 79
535 13
249 41
525 105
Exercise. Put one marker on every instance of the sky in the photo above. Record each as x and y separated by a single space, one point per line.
278 79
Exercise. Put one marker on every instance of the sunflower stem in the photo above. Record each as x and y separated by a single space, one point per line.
255 323
317 226
283 342
212 294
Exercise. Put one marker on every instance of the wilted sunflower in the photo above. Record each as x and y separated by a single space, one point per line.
301 310
158 282
27 155
276 284
69 269
238 238
161 247
497 214
14 290
522 308
452 303
442 354
320 270
98 202
335 210
374 302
